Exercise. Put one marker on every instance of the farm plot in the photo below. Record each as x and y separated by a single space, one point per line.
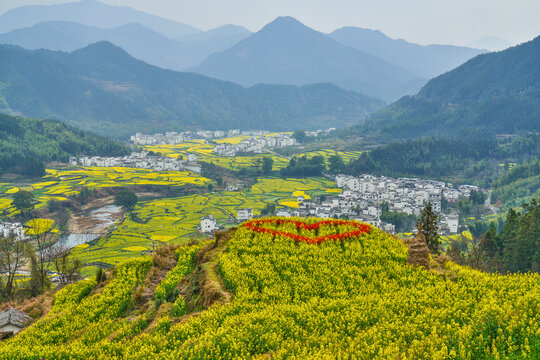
175 220
58 184
327 153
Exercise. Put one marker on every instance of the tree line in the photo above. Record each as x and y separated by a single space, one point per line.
27 144
40 257
515 247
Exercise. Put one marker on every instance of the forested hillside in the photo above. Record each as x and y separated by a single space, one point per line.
103 89
458 159
25 144
493 93
518 185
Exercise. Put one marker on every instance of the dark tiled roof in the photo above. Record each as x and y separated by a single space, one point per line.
14 317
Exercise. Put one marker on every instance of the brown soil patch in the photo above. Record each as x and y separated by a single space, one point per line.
204 287
35 307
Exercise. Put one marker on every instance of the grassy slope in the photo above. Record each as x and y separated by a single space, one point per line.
298 300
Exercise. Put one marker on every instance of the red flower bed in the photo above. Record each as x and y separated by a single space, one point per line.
258 226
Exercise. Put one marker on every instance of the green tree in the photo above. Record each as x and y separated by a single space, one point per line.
509 238
269 210
300 136
488 243
336 164
23 200
430 228
126 198
267 165
527 246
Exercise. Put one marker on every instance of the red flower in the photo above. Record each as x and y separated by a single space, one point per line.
256 226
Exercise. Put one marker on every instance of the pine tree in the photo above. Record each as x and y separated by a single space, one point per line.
488 243
509 236
430 228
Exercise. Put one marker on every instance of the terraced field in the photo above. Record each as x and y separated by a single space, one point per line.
175 220
290 289
327 153
60 183
204 152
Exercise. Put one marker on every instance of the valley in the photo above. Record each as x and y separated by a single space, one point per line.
279 180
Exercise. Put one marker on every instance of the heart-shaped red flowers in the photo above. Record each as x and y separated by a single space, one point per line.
258 226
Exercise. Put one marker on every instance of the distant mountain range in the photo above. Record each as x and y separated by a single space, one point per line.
102 88
284 52
426 61
492 43
288 52
493 93
138 40
91 13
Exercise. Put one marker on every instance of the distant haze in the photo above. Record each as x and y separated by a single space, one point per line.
458 22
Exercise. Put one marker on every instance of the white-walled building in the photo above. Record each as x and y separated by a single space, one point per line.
12 229
208 224
244 214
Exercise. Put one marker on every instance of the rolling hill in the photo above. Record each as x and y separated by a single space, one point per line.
287 52
271 289
102 88
25 144
426 61
138 40
91 13
493 93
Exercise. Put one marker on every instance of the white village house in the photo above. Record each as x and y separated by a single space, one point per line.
12 229
244 214
208 224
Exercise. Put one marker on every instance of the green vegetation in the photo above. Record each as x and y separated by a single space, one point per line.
304 167
428 220
461 160
493 93
23 201
26 144
102 88
126 198
514 248
518 185
351 297
402 221
174 221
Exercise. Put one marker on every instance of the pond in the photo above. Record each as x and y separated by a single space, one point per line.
100 219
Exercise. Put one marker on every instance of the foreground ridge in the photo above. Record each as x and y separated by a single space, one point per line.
356 297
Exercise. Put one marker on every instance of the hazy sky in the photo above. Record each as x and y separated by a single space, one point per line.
423 21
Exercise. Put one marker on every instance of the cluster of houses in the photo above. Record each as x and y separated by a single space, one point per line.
364 196
255 144
177 138
12 229
319 132
362 199
139 160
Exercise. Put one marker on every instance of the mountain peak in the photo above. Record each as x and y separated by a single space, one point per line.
287 23
102 49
